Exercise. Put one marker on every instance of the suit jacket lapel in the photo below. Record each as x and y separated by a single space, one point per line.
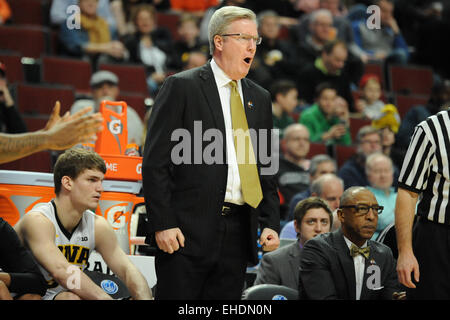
249 103
346 262
294 253
211 93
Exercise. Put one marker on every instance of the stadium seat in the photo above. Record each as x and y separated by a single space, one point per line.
269 292
356 124
36 12
169 21
315 149
343 153
29 41
14 67
67 71
136 101
404 103
40 99
411 79
132 77
35 123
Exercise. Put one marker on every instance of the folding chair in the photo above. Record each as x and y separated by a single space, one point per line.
316 148
343 153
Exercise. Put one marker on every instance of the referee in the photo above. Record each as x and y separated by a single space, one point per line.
425 176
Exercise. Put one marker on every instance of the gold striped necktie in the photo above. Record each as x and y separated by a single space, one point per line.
248 171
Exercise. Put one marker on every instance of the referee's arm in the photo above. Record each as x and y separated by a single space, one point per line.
411 181
404 217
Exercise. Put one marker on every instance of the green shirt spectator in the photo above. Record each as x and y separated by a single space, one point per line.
321 120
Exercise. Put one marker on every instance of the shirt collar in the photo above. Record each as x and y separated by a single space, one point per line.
221 77
349 243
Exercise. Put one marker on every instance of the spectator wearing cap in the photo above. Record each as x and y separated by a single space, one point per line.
369 104
105 86
10 119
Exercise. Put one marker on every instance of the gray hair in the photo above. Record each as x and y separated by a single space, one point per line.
293 127
317 185
265 14
320 12
318 159
365 130
374 156
222 18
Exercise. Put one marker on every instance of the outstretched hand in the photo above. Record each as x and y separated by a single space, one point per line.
69 130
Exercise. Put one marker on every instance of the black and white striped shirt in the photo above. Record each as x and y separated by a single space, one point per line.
426 168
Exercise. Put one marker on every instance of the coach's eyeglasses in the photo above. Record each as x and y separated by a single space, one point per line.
362 209
242 37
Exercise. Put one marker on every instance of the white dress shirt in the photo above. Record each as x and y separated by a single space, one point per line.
360 262
233 191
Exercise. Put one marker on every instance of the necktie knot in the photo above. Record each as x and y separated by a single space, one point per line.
233 84
354 251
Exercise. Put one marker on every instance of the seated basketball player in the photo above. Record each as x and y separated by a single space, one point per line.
62 233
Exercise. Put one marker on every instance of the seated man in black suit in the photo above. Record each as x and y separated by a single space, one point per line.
312 217
346 264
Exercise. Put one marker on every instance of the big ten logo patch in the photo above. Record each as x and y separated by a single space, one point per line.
118 215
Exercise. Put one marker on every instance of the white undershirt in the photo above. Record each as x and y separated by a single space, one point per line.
233 191
359 262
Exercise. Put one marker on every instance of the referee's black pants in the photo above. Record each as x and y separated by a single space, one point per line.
218 276
431 245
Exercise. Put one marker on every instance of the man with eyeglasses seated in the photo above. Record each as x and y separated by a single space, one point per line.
346 264
352 171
